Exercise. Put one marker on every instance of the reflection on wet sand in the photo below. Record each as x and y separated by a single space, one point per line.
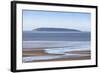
39 55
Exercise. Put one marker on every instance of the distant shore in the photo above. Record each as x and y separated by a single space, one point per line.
83 55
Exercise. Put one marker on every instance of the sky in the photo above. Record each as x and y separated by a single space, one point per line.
49 19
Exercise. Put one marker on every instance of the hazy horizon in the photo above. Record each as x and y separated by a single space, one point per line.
35 30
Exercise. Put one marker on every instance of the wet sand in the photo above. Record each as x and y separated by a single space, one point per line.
36 53
84 55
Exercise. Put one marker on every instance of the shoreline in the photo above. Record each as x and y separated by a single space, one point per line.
83 55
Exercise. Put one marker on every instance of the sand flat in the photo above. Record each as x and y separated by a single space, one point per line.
82 55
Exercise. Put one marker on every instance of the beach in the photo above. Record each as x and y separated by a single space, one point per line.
39 55
55 46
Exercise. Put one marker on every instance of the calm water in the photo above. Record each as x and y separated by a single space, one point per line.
56 36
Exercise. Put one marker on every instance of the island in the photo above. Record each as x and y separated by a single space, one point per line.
56 29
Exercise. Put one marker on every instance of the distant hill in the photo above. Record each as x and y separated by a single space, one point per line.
57 29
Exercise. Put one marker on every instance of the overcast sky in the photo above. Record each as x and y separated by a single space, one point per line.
42 19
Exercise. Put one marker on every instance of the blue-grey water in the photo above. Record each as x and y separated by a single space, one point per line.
55 36
55 43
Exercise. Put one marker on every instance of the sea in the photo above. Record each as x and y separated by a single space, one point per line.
55 36
55 43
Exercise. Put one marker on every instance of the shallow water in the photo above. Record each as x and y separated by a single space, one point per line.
56 44
33 58
53 47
